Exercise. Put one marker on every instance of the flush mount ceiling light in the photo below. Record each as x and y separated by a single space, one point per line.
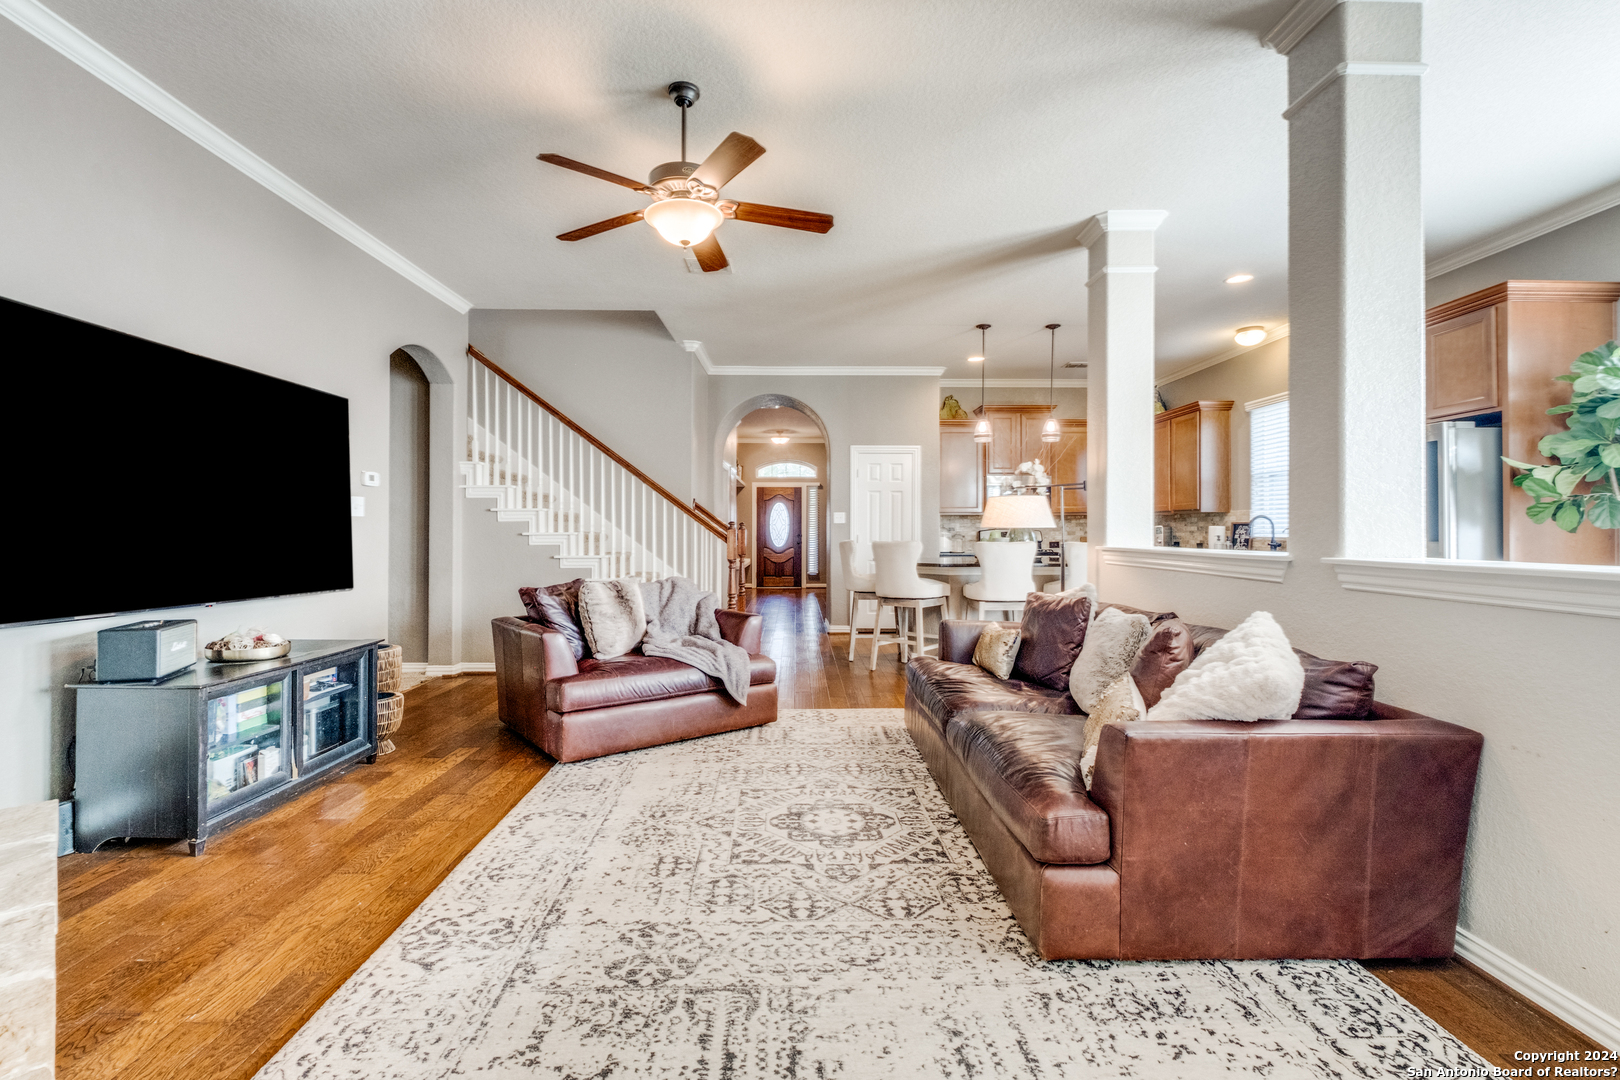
1049 430
981 430
1238 279
686 205
780 438
1250 335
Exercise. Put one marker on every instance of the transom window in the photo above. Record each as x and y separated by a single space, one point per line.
780 470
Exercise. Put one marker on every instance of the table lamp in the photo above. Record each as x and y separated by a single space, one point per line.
1019 514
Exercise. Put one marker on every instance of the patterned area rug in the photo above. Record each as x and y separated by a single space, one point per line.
797 900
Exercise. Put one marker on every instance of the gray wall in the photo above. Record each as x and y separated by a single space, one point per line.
1252 375
1588 250
497 560
1069 401
114 217
618 374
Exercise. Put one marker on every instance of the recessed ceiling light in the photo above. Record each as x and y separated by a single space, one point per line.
1250 335
975 359
1238 279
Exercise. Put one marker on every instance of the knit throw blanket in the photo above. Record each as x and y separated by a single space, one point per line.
681 626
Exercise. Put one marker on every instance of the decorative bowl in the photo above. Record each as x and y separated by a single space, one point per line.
242 656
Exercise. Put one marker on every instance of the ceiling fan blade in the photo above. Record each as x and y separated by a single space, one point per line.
729 158
600 226
709 255
782 217
592 170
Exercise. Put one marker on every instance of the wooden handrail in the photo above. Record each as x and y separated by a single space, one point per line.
719 532
710 514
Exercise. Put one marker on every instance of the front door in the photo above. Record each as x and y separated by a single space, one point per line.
777 526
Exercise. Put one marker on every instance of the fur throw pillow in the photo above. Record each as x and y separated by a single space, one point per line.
1121 703
996 650
1250 674
613 615
1112 642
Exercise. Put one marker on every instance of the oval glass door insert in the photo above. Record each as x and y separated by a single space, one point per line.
778 525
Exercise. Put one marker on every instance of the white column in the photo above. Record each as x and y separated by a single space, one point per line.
1355 277
1119 380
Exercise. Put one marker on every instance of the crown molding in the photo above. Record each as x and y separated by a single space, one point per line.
1119 221
1354 67
74 44
1022 384
696 349
1598 201
1275 334
1301 20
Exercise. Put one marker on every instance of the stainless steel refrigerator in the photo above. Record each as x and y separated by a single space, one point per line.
1465 491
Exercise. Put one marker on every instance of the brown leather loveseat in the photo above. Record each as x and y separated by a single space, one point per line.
1200 839
575 709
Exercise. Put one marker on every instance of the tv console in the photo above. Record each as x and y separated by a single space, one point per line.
219 744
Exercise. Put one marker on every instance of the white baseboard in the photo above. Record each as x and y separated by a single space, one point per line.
1573 1010
478 667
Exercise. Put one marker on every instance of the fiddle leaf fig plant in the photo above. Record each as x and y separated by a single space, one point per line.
1588 452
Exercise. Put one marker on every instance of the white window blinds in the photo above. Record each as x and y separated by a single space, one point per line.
812 498
1268 463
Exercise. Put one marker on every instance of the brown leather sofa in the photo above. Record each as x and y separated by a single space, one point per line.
1200 839
587 708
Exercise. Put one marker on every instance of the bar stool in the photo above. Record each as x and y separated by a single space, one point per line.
900 586
1073 575
862 585
1008 578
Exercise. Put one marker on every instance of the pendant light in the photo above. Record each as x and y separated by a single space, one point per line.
981 430
1049 430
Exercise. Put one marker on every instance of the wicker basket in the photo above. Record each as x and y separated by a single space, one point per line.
390 712
389 666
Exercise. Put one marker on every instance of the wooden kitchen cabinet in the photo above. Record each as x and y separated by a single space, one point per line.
961 469
1192 458
1015 438
1501 350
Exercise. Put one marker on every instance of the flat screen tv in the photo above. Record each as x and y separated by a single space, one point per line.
144 477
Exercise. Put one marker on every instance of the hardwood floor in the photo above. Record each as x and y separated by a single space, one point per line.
170 966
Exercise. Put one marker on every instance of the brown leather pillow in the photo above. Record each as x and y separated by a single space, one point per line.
556 607
1053 630
1167 654
1335 689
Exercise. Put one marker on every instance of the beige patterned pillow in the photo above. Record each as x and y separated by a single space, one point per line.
1121 703
997 649
1113 641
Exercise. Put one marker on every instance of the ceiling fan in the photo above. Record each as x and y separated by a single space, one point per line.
686 205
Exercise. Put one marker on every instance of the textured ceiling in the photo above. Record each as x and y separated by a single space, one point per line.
959 145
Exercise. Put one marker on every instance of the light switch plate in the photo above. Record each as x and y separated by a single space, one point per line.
357 506
370 479
838 517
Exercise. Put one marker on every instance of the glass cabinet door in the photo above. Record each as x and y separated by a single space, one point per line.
333 718
247 746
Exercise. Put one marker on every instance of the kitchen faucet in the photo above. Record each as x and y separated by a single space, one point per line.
1275 543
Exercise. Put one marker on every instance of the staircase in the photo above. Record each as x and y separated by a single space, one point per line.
567 490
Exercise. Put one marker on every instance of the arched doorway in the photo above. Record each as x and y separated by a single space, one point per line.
775 453
420 490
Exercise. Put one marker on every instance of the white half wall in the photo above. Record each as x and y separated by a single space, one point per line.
114 217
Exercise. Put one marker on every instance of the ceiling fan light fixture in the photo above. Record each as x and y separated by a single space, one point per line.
1250 335
683 221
